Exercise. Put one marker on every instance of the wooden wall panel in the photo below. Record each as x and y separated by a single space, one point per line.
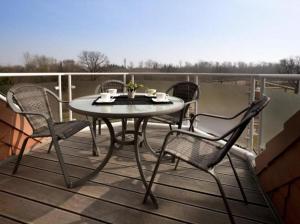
293 204
5 151
13 137
280 142
13 130
278 169
278 198
13 119
282 170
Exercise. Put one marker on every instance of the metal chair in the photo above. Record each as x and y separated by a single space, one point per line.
204 152
104 87
32 101
189 92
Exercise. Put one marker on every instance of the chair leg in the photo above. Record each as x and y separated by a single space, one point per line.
237 179
95 148
50 146
177 163
179 125
211 172
99 127
61 162
148 191
20 155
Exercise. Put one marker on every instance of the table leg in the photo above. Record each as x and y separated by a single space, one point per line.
137 125
155 152
94 124
105 160
124 129
145 141
111 147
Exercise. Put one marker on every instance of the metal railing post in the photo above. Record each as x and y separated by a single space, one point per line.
60 97
251 125
70 95
197 82
125 81
261 131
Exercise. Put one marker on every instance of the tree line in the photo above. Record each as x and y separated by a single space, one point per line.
96 61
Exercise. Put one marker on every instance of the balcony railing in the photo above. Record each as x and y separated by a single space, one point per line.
221 93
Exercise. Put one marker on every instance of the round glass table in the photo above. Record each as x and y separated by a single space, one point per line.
140 113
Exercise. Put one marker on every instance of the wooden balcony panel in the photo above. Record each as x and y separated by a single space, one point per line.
13 130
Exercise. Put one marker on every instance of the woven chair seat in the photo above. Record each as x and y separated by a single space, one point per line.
200 153
63 130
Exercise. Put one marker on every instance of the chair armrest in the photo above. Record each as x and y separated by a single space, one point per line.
216 116
243 122
34 113
185 109
56 97
98 89
196 135
189 102
221 117
48 120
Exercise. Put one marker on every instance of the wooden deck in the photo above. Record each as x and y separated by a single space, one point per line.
36 194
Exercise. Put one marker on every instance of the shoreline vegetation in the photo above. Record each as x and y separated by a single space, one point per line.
96 61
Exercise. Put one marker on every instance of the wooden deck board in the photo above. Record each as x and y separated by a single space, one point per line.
123 157
29 211
7 220
131 170
223 169
120 185
115 195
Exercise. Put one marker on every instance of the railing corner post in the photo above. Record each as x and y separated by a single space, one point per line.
70 95
60 97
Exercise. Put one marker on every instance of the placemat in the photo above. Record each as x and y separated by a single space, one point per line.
124 100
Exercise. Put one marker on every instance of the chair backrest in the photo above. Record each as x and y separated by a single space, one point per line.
30 98
110 84
187 91
254 109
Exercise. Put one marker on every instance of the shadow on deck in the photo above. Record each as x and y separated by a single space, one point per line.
37 194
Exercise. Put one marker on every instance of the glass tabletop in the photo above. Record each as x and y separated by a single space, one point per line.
84 105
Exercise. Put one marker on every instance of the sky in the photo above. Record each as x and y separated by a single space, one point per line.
168 31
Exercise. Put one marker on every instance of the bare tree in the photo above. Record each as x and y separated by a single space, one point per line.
131 65
40 63
141 64
93 61
151 64
291 66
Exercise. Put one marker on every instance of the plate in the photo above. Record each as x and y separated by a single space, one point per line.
160 101
105 101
